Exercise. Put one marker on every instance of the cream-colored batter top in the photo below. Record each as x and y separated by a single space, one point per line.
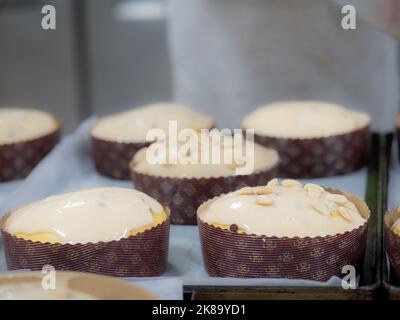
93 215
189 163
18 125
289 209
133 125
304 119
34 291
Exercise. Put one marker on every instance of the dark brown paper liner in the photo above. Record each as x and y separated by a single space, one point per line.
183 196
17 160
392 240
99 287
142 255
320 157
112 158
237 255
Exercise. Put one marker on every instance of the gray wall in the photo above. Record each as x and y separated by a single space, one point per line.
36 66
128 60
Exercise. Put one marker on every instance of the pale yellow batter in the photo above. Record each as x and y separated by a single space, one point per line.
133 125
286 209
304 119
196 161
93 215
17 125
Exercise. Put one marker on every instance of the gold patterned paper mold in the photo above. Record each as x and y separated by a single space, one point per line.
143 251
329 153
69 286
23 143
260 256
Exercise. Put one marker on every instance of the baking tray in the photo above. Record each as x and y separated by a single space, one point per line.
369 287
391 167
185 261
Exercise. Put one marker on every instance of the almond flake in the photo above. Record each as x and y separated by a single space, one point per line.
273 182
240 163
246 191
342 213
262 190
337 198
320 207
290 183
313 190
345 214
264 200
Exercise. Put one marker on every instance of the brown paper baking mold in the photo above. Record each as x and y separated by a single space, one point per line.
320 157
183 196
237 255
17 160
142 255
112 158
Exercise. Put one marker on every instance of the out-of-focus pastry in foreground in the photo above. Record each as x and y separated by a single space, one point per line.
68 286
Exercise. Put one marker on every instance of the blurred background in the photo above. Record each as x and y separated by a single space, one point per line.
104 56
223 57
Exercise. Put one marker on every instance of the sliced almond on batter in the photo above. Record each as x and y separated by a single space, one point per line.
262 190
246 191
320 207
265 200
313 190
290 183
345 214
240 162
273 182
341 212
337 198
